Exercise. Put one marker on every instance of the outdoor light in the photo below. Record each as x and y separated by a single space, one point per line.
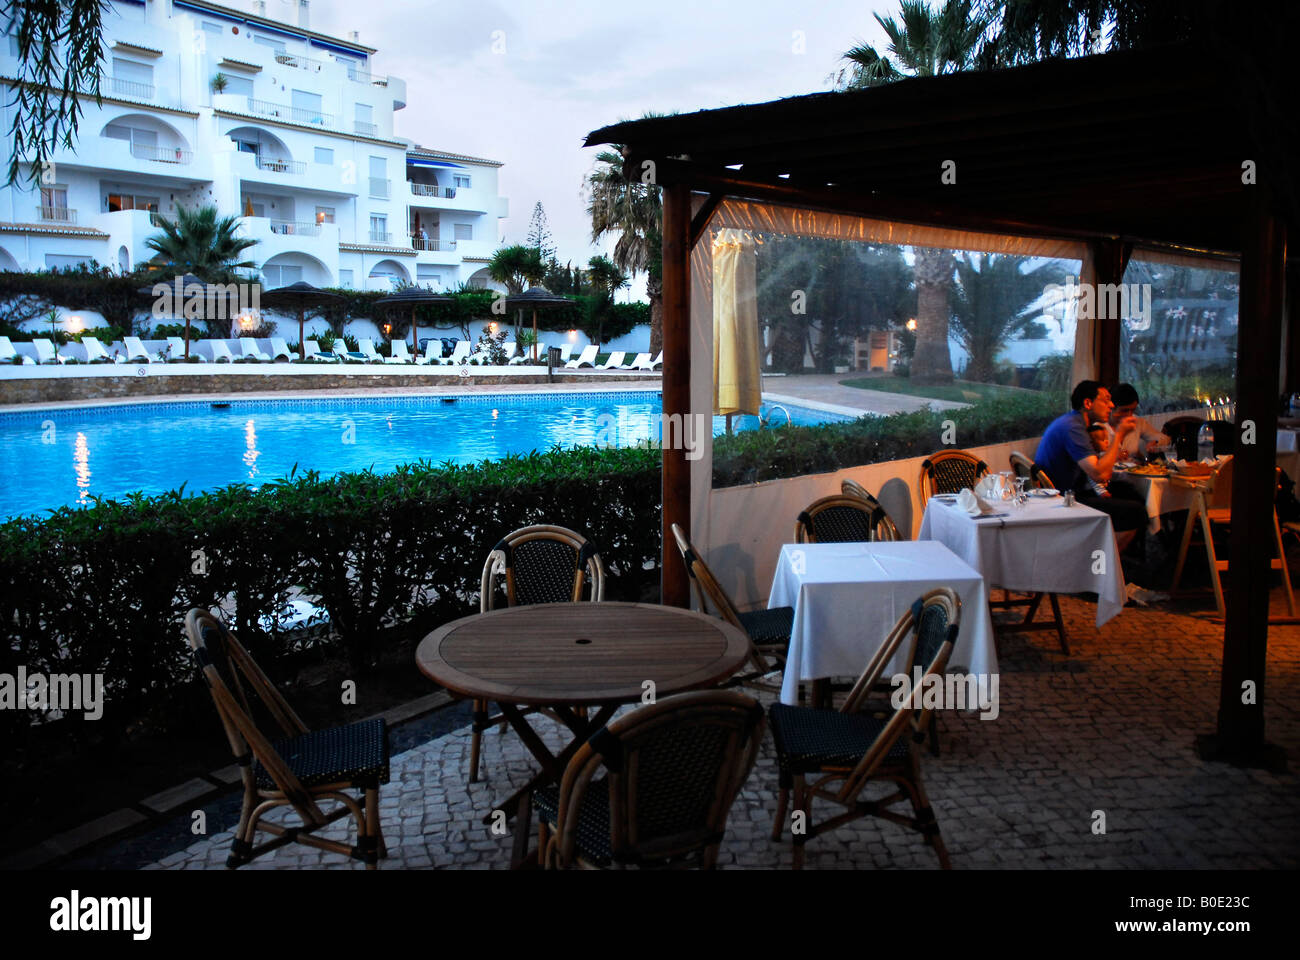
75 325
493 325
246 321
911 324
573 334
388 328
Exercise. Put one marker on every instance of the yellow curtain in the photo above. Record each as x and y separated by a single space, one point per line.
737 373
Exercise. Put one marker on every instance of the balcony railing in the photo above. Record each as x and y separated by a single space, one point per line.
279 165
420 243
155 218
380 236
57 214
429 190
379 188
161 154
295 228
292 114
130 88
365 128
301 63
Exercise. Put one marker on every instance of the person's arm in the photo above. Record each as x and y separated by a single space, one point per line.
1151 437
1099 466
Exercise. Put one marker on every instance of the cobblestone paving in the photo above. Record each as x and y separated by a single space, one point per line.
1109 728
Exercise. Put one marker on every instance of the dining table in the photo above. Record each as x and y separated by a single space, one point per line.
1041 546
580 662
848 596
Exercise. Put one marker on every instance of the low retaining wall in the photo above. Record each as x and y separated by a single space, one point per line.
172 380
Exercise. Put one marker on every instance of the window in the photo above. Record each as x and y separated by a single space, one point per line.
378 229
248 146
463 231
276 45
131 79
306 107
128 201
324 214
325 155
240 86
379 177
212 28
364 126
281 275
345 279
424 275
138 137
461 180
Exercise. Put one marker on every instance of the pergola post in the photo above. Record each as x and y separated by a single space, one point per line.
674 590
1240 735
1291 383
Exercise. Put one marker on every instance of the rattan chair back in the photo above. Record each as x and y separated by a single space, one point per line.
1021 465
542 564
674 769
709 593
851 488
843 519
949 471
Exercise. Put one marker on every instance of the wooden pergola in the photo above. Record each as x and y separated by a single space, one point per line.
1146 148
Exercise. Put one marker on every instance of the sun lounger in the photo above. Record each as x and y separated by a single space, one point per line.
281 349
249 350
347 356
614 362
399 353
220 352
432 352
95 352
45 352
366 347
461 353
641 362
9 355
313 352
586 359
176 348
566 351
135 351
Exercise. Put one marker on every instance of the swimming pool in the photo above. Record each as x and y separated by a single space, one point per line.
65 457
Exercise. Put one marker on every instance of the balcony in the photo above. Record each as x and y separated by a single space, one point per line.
282 111
133 89
365 128
299 63
280 165
379 188
421 244
295 228
428 190
56 214
380 236
161 154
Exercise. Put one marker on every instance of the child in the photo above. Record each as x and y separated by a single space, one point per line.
1100 438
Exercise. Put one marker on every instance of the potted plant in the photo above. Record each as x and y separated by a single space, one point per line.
219 83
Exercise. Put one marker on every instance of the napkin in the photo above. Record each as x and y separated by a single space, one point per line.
966 500
986 486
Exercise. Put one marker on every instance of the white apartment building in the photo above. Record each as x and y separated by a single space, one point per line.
285 127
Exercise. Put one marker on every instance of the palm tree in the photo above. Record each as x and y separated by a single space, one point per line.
198 242
517 266
990 301
605 277
633 210
923 42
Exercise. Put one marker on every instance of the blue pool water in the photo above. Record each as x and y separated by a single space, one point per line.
65 457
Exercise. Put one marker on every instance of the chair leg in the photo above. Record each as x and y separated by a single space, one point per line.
476 738
1208 531
1183 548
782 804
1060 622
543 840
926 821
1286 574
370 842
934 733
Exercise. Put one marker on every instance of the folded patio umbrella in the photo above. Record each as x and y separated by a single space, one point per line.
737 369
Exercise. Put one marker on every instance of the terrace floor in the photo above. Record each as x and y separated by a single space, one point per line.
1109 728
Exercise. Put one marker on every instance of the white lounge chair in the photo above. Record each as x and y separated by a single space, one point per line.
220 352
9 355
641 362
400 353
461 353
566 351
281 349
614 361
432 352
347 356
45 352
366 347
314 353
586 359
135 351
526 356
95 352
249 350
176 346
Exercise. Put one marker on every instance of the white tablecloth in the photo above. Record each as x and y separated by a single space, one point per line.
1162 496
848 596
1043 546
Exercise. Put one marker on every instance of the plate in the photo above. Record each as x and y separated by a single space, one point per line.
1044 492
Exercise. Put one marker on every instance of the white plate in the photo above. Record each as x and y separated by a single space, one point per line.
1044 492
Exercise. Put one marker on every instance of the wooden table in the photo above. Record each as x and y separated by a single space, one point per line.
566 655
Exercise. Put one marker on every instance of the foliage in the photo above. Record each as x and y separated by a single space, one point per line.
923 42
114 296
390 556
990 301
517 267
200 242
219 83
539 234
755 455
493 344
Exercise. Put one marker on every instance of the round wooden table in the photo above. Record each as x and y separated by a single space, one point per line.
566 655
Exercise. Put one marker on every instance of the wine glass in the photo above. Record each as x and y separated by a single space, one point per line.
1021 495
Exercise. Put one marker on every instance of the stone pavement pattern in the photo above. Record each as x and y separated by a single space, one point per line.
1109 728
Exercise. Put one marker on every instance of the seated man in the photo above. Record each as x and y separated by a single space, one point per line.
1144 438
1067 455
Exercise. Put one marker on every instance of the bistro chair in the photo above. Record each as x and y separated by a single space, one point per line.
672 771
851 488
768 630
843 751
949 471
537 564
1026 469
843 519
896 497
300 768
1211 507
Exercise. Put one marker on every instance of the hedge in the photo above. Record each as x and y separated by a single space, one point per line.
103 589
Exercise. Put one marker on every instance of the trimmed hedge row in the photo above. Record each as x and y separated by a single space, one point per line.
103 589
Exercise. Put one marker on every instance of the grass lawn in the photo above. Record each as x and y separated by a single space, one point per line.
960 391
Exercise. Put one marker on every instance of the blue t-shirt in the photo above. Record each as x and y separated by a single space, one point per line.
1065 442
